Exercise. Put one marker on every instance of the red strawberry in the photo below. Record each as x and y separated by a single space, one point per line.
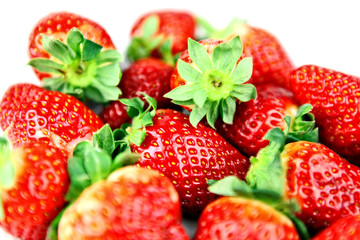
31 114
271 63
132 203
79 67
242 218
347 228
324 185
255 118
33 184
335 97
148 75
57 25
188 156
209 77
161 34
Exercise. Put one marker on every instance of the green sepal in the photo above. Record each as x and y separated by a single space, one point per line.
83 69
213 83
7 171
52 231
142 118
299 225
104 139
90 50
124 159
303 127
209 32
58 49
46 65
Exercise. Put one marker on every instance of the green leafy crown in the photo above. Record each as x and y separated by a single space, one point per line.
213 83
81 68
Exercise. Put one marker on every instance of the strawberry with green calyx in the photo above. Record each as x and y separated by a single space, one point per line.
209 78
80 68
271 63
33 184
188 156
93 162
308 172
161 34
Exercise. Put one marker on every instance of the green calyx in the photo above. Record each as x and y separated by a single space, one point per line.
93 162
7 171
141 118
82 68
143 45
214 82
208 31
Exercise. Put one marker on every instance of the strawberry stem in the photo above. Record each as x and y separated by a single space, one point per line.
7 171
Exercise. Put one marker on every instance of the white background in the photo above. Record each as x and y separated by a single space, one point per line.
325 33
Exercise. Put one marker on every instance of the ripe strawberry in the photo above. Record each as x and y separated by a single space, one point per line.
33 185
255 118
132 203
347 228
148 75
57 25
31 114
243 219
161 34
335 98
208 78
324 185
271 63
188 156
79 67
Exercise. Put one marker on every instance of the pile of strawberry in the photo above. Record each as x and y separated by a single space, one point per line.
218 126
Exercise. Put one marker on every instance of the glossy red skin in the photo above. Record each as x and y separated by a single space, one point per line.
271 63
38 193
326 186
133 204
29 113
335 97
176 25
243 219
255 118
57 25
189 157
148 75
176 80
347 228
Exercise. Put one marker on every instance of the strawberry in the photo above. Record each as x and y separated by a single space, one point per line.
243 219
32 114
335 98
271 63
347 228
255 118
132 203
161 34
148 75
296 168
208 80
79 67
188 156
57 25
33 184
